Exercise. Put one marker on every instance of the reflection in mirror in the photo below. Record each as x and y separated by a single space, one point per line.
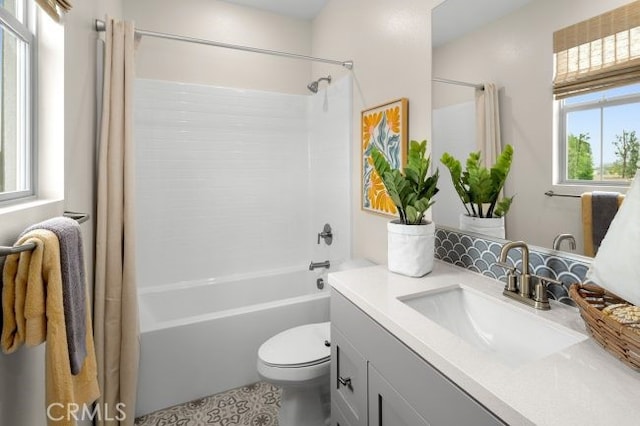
509 43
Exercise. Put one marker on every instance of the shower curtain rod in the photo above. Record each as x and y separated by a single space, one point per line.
458 83
100 27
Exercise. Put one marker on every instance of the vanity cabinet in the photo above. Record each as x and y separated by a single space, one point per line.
376 380
348 379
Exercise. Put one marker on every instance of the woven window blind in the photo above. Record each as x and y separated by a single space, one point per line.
598 53
55 8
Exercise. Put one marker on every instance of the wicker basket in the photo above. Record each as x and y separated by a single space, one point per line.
620 340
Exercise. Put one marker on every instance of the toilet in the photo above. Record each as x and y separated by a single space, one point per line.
298 360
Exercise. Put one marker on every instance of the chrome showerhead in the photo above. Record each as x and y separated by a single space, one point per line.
313 86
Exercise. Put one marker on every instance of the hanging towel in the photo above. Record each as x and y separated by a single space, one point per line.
616 266
33 312
73 284
598 210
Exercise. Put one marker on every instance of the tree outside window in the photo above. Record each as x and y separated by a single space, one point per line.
579 157
627 151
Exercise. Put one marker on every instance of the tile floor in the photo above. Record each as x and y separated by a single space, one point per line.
252 405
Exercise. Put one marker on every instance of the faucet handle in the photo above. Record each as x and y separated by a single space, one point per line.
540 292
512 279
326 234
509 267
540 289
547 280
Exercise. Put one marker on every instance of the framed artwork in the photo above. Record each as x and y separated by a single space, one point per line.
384 127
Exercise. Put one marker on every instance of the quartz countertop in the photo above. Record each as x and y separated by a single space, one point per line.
580 385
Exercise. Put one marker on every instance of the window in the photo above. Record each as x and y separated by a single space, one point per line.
16 146
597 87
601 134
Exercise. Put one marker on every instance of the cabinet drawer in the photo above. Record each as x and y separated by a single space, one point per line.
387 407
337 418
348 379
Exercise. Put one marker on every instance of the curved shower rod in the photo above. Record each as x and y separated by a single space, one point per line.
100 27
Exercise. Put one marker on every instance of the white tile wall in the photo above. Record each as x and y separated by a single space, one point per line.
228 181
330 163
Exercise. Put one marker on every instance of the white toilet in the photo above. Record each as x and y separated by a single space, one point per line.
298 360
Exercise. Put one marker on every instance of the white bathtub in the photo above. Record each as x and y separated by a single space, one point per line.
200 338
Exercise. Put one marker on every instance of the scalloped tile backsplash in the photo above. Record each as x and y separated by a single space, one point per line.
480 255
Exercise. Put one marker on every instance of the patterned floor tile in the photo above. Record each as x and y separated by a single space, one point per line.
252 405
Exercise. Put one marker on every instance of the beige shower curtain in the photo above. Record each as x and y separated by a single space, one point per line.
116 309
488 124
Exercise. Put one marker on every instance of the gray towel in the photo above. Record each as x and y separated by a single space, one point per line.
73 285
604 206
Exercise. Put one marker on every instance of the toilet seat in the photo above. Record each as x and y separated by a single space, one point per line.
298 354
297 347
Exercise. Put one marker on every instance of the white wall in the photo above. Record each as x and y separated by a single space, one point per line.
516 53
390 44
222 181
233 181
330 194
227 23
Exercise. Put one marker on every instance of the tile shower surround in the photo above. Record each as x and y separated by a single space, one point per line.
480 254
235 181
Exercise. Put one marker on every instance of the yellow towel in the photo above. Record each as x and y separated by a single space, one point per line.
587 222
33 312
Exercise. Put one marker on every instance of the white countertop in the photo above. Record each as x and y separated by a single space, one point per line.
580 385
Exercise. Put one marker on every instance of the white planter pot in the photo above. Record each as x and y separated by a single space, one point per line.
410 248
493 226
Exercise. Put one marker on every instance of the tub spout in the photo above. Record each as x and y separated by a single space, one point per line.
316 265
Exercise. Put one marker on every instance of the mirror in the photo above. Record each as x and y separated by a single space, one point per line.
508 43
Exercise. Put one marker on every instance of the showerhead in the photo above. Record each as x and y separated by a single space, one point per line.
313 86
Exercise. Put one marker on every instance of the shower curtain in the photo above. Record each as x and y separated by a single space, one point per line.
488 124
115 295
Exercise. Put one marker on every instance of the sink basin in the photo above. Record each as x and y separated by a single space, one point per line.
511 334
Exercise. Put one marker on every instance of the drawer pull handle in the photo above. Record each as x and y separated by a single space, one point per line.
345 382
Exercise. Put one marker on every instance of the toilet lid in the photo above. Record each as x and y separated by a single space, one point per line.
297 347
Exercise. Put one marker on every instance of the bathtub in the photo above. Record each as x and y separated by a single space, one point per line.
200 338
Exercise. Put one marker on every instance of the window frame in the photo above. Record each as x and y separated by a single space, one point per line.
601 104
25 31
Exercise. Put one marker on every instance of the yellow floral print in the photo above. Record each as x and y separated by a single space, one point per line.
378 197
369 123
393 119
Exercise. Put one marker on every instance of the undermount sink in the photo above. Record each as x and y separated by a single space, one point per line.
509 333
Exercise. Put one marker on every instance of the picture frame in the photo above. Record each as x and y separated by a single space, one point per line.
384 126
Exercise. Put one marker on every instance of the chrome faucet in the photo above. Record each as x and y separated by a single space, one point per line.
526 288
316 265
557 241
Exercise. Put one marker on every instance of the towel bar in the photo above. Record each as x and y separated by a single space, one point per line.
5 251
553 194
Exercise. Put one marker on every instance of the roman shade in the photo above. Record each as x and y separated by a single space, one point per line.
55 8
598 53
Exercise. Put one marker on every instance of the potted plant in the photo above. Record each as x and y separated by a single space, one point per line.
480 188
411 239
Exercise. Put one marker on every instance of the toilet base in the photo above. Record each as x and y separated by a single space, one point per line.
305 405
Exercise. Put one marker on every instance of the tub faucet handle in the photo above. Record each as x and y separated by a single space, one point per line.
326 234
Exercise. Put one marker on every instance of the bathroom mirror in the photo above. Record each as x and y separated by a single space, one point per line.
508 43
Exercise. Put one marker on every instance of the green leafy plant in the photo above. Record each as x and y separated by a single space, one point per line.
477 186
412 189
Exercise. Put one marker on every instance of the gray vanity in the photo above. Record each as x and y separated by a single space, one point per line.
398 360
378 380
